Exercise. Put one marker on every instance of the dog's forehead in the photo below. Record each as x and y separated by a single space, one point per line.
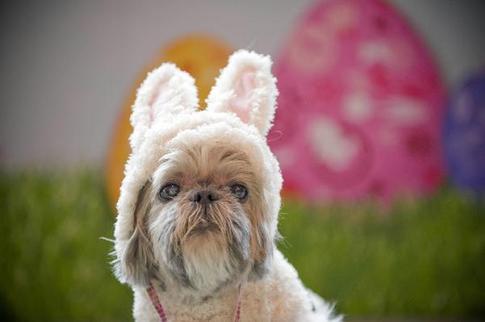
216 161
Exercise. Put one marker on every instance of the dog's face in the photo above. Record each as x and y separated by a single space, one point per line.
205 215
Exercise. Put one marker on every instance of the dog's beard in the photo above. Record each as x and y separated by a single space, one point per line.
203 247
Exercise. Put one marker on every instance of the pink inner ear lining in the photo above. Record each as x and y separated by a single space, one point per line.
243 90
246 83
154 99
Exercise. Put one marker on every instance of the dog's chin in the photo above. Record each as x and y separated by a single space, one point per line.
207 257
210 262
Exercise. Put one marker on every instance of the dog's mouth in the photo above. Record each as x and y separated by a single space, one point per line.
214 220
204 227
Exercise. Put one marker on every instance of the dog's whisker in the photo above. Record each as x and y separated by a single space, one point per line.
107 239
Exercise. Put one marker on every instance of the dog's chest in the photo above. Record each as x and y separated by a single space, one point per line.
251 309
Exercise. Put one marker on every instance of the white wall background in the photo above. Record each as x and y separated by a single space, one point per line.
66 67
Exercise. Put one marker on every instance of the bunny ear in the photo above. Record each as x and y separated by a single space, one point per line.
166 91
246 88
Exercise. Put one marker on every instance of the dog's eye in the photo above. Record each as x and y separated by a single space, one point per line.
239 191
169 191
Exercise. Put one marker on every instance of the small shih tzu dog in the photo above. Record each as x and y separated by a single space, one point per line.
198 211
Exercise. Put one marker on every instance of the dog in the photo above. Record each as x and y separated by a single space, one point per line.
196 230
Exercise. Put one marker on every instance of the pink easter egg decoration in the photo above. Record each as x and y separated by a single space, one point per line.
360 105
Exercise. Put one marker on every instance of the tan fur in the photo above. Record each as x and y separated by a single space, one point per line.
215 166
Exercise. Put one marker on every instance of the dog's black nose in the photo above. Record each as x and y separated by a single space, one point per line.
204 197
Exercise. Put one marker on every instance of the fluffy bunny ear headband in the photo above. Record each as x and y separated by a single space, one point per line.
243 98
245 88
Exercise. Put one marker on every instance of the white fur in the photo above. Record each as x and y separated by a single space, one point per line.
166 91
240 111
281 297
246 86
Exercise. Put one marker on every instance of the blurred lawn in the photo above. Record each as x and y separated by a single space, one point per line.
424 258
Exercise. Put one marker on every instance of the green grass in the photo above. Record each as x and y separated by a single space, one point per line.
419 259
54 266
423 258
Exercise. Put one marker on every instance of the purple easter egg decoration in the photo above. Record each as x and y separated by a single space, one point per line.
464 135
360 105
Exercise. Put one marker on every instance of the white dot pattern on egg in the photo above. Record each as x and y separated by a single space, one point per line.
360 106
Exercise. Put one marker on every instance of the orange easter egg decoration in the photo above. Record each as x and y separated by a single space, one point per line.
199 55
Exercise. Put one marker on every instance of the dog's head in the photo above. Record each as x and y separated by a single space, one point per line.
200 199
